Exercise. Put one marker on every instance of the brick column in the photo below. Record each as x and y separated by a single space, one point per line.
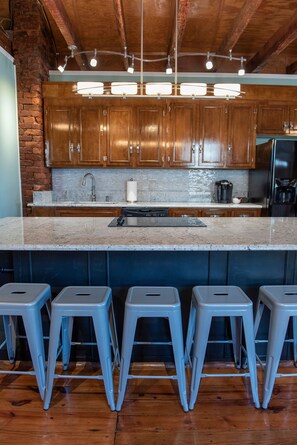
34 55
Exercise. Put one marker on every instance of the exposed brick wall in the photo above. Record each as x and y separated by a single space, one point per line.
34 55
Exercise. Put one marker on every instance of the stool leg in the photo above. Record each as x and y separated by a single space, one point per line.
176 331
67 327
251 354
236 331
52 357
9 323
113 336
277 331
190 334
130 322
295 339
203 322
33 327
101 327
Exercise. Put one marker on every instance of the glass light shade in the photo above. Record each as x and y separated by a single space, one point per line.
241 71
226 89
123 88
193 89
158 89
90 88
93 62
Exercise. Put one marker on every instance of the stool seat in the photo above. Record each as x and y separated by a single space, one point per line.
282 302
25 300
222 301
162 302
83 301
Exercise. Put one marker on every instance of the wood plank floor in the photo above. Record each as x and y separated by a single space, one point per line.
151 413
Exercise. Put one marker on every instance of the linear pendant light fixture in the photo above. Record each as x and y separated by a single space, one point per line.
156 89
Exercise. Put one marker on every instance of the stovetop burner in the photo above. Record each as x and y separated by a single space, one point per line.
150 221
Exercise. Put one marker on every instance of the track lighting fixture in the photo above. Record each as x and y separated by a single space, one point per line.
209 64
61 68
169 67
93 61
131 67
241 71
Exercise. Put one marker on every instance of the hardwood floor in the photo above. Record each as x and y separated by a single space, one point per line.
151 413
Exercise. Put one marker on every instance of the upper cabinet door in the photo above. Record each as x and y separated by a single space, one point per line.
61 137
212 134
293 120
149 136
90 147
181 147
241 136
119 146
273 119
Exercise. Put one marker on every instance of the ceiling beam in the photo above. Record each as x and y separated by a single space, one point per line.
292 69
240 23
120 19
182 17
278 43
5 42
60 16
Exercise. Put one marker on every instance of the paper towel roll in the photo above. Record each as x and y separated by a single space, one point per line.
131 191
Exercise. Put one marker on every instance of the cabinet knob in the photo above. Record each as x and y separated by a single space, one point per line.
78 148
285 126
71 148
131 149
137 148
168 158
291 125
229 147
200 148
193 148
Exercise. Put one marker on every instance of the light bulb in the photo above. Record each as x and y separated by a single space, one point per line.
93 61
241 71
209 65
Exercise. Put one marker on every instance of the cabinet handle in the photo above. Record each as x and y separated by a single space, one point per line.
163 159
78 148
71 148
229 147
285 126
168 158
131 149
137 148
200 148
193 148
291 125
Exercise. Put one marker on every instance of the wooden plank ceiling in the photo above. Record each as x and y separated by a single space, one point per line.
264 32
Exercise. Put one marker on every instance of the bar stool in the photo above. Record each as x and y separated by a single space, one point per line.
25 300
149 302
282 303
83 301
219 301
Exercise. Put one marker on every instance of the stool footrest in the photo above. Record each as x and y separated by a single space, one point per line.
152 343
19 372
170 377
3 344
71 376
244 374
278 375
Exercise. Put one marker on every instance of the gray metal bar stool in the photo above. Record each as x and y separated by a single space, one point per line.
83 301
219 301
152 302
282 303
25 300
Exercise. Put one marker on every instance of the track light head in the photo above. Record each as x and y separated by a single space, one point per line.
168 67
131 67
93 61
61 68
209 64
241 71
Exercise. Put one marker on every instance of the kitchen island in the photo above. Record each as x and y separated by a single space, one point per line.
247 252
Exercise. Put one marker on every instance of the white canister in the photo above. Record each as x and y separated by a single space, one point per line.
131 190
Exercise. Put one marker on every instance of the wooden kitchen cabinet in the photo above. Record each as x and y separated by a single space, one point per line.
277 119
76 211
181 145
241 136
74 136
119 137
213 212
212 134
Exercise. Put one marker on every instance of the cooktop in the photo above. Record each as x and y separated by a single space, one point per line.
160 221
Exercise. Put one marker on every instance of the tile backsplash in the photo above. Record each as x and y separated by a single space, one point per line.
152 185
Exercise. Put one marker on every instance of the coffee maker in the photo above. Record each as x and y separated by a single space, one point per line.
223 191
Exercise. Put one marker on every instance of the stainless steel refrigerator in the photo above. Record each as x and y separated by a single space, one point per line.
274 180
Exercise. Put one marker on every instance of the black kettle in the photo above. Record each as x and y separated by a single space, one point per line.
223 191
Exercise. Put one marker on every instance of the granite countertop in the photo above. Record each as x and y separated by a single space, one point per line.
91 233
142 204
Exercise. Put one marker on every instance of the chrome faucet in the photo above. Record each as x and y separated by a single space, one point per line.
83 183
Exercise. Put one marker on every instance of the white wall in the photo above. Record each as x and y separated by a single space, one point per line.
10 184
